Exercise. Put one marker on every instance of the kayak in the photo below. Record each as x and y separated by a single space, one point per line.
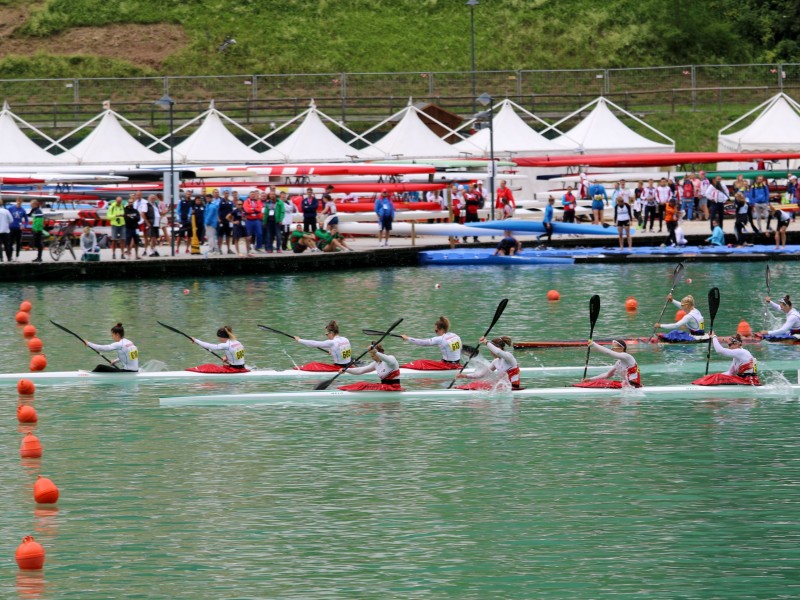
486 256
645 340
524 226
326 396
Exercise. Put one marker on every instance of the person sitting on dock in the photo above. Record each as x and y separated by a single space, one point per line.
508 246
625 368
743 369
385 365
300 241
717 235
692 321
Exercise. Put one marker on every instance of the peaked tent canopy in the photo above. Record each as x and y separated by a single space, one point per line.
602 132
775 129
311 141
512 135
110 143
17 149
213 142
411 138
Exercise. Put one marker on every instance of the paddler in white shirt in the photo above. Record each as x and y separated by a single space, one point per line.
336 345
791 325
625 368
385 365
127 354
692 321
233 348
504 363
448 343
743 369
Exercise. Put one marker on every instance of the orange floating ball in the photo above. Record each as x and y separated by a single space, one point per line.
26 414
31 447
29 331
744 329
38 362
631 304
30 554
35 344
25 306
553 296
45 491
26 387
23 318
680 314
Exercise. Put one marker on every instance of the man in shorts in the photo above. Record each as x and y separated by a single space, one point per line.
300 241
384 208
116 217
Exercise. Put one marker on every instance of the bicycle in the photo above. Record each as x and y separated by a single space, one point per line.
62 240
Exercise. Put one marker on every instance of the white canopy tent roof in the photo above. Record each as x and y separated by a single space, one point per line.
602 132
311 141
110 143
213 142
411 138
775 129
512 135
17 149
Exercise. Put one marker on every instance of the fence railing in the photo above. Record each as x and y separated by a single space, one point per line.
261 100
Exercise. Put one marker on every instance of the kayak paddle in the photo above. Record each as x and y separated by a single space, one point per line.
374 332
325 384
289 335
186 335
713 306
594 312
497 314
766 306
61 327
676 275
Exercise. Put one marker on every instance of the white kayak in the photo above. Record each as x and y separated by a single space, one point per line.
314 397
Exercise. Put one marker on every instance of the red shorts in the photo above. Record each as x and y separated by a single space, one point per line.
209 368
431 365
363 386
614 384
723 379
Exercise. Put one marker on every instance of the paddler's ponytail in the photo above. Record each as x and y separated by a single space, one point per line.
443 323
332 327
225 332
118 329
787 301
502 341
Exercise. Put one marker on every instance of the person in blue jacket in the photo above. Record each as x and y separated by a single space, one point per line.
211 220
384 208
597 192
20 218
758 198
717 235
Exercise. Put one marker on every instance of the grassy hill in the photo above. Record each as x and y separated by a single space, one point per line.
115 37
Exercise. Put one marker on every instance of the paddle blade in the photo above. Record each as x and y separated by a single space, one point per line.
323 385
594 309
497 314
768 278
713 303
677 275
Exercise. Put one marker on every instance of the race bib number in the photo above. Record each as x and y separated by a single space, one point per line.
702 325
239 354
133 354
347 353
455 345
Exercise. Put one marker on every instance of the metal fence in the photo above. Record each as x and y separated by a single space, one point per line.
260 100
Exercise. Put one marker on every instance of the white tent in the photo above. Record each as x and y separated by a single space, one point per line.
511 135
213 142
602 132
110 143
312 140
411 138
775 129
17 149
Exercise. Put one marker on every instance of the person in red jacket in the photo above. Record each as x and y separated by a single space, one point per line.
504 192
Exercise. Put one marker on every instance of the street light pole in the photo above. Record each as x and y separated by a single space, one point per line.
166 102
472 4
486 100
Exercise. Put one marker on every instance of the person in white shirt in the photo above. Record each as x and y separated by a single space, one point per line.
233 348
127 352
791 326
385 365
336 345
663 194
504 363
743 369
625 368
448 343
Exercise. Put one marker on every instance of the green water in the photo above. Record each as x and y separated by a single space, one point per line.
487 498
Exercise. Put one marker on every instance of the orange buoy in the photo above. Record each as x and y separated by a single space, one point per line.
25 306
25 387
30 554
35 344
45 491
631 304
38 362
31 447
29 331
553 296
744 329
26 414
680 314
23 318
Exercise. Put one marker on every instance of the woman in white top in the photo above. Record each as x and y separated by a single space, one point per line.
127 353
663 194
691 321
329 210
232 361
336 345
449 344
288 215
622 219
504 363
625 368
385 365
743 369
791 325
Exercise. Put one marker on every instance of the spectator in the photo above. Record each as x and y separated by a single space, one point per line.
663 194
503 191
597 192
384 208
650 205
622 219
164 209
20 218
328 242
782 218
132 216
116 217
224 225
687 198
185 219
6 219
717 195
456 202
199 219
717 235
236 219
144 227
289 209
252 211
508 210
508 246
88 243
211 221
274 212
744 215
638 204
300 241
309 206
547 222
701 186
329 209
570 203
152 224
758 198
671 216
37 228
471 206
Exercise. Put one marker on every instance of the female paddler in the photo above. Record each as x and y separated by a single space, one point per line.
232 361
625 368
692 320
449 344
504 363
336 345
385 365
743 369
791 325
127 353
